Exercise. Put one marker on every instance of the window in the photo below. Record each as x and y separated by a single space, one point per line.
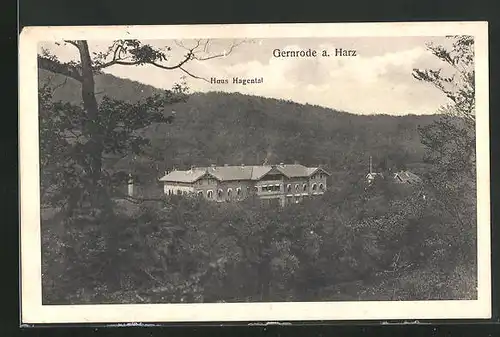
229 192
289 188
321 187
304 188
297 187
179 192
271 188
210 194
314 187
238 192
219 194
200 193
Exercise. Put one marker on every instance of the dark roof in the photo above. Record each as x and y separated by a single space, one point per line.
227 173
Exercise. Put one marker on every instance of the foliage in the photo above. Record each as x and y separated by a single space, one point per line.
191 250
451 141
66 147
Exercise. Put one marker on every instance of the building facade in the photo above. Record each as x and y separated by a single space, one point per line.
283 183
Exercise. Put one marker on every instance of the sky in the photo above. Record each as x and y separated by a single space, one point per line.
377 80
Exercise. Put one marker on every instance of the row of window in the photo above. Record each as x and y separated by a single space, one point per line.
319 176
304 187
220 193
210 193
267 188
276 188
271 188
178 192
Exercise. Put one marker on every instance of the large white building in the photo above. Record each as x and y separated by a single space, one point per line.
285 183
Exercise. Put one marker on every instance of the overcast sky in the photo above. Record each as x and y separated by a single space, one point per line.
377 80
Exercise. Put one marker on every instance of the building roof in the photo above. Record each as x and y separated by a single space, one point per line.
231 172
184 176
372 175
407 176
227 173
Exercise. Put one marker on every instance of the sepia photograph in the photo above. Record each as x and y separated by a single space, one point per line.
259 173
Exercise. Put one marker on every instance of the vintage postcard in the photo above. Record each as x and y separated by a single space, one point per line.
244 173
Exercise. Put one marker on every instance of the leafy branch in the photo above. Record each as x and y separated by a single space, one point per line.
137 53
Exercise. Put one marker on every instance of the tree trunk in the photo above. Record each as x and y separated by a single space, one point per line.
92 127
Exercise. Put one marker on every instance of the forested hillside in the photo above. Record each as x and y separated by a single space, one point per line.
231 128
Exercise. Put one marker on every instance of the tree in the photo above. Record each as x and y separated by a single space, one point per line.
97 132
450 141
78 146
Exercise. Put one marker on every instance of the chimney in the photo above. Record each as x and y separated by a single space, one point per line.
213 165
130 185
281 164
242 165
226 165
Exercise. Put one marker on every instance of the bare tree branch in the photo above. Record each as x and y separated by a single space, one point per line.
132 52
123 57
194 76
187 58
224 54
72 43
113 62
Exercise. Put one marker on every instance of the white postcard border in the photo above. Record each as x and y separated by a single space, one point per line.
31 287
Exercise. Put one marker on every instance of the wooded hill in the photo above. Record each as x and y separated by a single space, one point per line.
232 128
366 229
